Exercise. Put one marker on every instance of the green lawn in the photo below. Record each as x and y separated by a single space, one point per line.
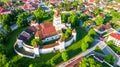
11 38
44 59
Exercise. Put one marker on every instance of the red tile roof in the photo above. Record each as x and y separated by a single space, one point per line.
103 27
46 25
3 10
102 15
45 30
54 1
115 35
49 30
91 0
28 6
39 34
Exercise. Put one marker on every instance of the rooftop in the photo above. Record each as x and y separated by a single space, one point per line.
115 35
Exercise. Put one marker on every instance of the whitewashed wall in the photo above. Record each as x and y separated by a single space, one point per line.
69 42
46 50
51 38
28 48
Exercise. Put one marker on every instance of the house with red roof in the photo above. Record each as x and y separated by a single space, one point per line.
102 28
55 1
30 0
89 1
29 7
4 11
115 37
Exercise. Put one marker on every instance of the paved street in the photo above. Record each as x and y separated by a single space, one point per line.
106 49
78 56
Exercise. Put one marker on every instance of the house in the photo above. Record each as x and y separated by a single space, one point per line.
107 10
102 28
102 15
29 7
30 1
4 11
109 5
116 7
115 37
118 3
89 1
56 1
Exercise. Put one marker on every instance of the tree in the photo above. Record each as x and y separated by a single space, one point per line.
66 34
110 58
6 20
32 65
67 6
92 33
83 17
110 42
39 13
75 4
7 28
36 42
64 18
85 24
3 60
115 15
22 19
89 62
47 3
96 12
65 56
73 18
84 46
52 61
99 20
96 0
2 38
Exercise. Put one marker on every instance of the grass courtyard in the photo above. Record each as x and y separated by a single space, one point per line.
44 59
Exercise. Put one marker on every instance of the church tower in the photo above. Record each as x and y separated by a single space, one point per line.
57 20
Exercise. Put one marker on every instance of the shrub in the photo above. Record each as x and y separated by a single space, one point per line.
65 56
110 58
36 41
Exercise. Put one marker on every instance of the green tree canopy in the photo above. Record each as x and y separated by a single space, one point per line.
7 28
36 42
2 38
65 56
99 20
73 19
64 18
84 46
96 12
89 62
67 34
39 13
22 19
110 58
3 60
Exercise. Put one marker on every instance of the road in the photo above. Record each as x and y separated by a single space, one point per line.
88 51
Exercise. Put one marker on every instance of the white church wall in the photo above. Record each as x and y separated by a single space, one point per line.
46 50
51 38
68 43
28 48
